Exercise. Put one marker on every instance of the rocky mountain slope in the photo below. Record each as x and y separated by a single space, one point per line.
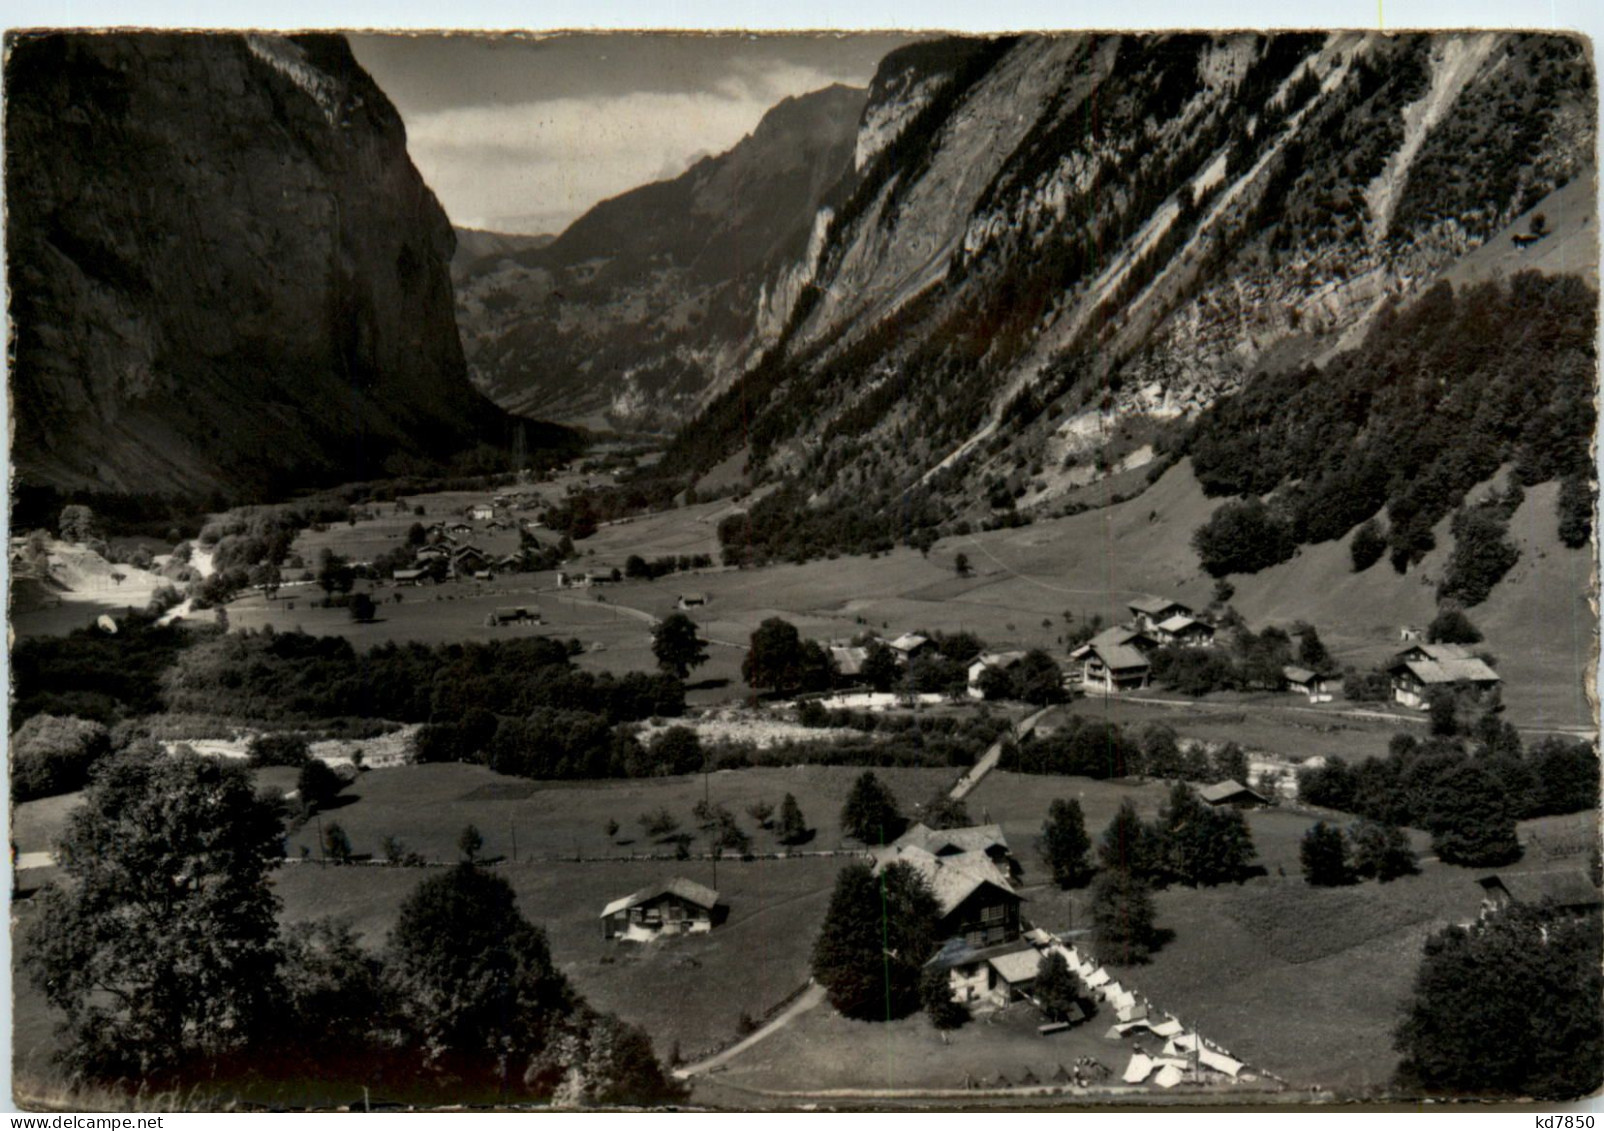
651 299
1049 249
226 276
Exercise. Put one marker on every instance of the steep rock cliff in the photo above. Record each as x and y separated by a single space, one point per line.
225 273
651 300
1052 246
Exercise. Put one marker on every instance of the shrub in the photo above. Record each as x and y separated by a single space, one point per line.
52 754
278 749
1243 537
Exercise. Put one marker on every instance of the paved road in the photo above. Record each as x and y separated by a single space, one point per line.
811 998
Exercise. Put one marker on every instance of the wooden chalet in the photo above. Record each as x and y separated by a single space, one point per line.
1419 669
977 902
1114 660
910 646
1313 685
1184 632
1149 612
677 907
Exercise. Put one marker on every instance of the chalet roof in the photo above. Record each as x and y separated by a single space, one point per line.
1153 606
407 574
689 890
952 879
995 660
849 660
1019 966
939 842
1116 657
1181 623
1564 888
1225 790
1437 652
909 641
1434 672
1295 674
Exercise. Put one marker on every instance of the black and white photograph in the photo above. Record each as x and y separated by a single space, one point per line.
756 571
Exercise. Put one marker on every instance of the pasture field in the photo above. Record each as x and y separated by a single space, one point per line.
428 806
691 990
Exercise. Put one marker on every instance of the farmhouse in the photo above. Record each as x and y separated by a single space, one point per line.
1150 612
1316 687
1000 661
677 907
1232 794
1184 631
1114 660
1570 891
986 840
910 646
481 512
977 902
1422 667
459 528
469 560
567 580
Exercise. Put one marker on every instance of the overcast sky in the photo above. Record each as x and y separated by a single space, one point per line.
523 134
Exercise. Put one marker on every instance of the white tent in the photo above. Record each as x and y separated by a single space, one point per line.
1219 1062
1131 1012
1099 978
1120 999
1140 1067
1168 1027
1168 1076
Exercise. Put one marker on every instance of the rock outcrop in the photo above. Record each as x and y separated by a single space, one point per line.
226 276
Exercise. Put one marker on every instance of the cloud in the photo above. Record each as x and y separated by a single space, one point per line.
557 157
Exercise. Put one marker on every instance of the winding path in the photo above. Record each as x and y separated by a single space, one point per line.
810 998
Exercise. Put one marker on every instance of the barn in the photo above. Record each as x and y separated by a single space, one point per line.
1232 794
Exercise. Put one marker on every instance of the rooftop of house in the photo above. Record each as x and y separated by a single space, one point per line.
1017 966
1117 654
1473 670
1570 887
1181 622
908 641
1296 674
849 659
996 660
1225 790
946 842
1153 606
690 891
952 879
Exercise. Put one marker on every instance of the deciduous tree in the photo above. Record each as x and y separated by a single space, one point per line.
877 935
160 951
677 645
